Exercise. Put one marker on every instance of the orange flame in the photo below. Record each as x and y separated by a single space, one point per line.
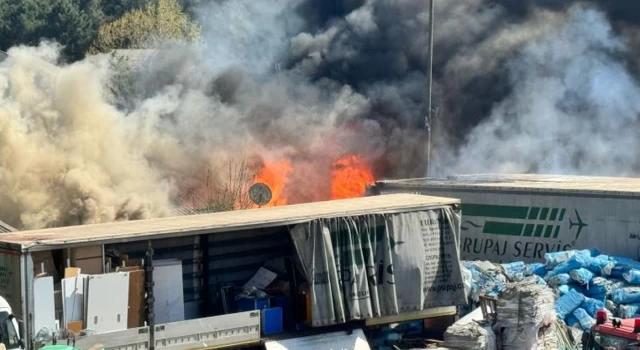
275 175
349 177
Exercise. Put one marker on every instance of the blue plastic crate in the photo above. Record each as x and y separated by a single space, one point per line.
284 302
272 321
245 304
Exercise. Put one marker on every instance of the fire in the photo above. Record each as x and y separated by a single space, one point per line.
275 175
349 177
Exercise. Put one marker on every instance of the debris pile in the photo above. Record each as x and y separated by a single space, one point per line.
583 281
525 315
470 332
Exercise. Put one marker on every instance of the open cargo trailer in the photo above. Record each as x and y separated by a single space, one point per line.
367 261
522 217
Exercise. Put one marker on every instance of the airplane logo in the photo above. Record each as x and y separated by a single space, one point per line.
579 224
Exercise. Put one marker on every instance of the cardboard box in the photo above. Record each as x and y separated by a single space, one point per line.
88 259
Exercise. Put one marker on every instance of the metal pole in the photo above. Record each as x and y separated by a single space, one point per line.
149 284
428 121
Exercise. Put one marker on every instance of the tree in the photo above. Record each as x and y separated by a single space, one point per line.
225 191
159 21
114 9
72 23
75 24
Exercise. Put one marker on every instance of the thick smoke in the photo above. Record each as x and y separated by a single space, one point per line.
520 86
573 107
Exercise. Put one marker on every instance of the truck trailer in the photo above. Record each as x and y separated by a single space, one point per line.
522 217
248 277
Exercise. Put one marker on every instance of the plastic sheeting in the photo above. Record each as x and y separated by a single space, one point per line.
487 279
575 262
555 258
535 269
514 271
599 288
628 311
591 306
414 257
585 321
632 277
559 279
600 265
568 303
628 295
467 280
581 275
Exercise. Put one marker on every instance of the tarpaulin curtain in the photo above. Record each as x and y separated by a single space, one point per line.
380 265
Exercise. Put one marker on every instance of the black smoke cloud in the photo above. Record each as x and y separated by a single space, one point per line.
520 86
484 51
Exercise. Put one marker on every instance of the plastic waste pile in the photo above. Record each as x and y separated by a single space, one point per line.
486 278
584 281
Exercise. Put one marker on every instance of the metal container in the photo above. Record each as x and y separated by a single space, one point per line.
522 217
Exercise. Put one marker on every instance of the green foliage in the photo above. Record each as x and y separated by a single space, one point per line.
159 21
122 84
72 23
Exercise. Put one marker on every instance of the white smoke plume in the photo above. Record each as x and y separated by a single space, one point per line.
573 108
69 156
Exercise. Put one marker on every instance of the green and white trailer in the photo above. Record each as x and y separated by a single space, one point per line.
522 217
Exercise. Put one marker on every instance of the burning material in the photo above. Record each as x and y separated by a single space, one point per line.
347 178
275 175
350 177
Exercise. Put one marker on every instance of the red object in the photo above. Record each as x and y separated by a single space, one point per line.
625 331
636 325
601 316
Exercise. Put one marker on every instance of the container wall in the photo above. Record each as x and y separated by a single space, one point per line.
185 249
507 226
234 257
10 282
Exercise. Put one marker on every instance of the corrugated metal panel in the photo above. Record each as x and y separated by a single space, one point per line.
235 256
5 228
220 222
187 250
548 183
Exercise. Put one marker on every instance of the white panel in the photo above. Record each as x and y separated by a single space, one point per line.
168 291
73 297
327 341
217 331
130 339
107 302
43 304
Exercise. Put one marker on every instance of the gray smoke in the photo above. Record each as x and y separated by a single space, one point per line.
573 107
528 86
